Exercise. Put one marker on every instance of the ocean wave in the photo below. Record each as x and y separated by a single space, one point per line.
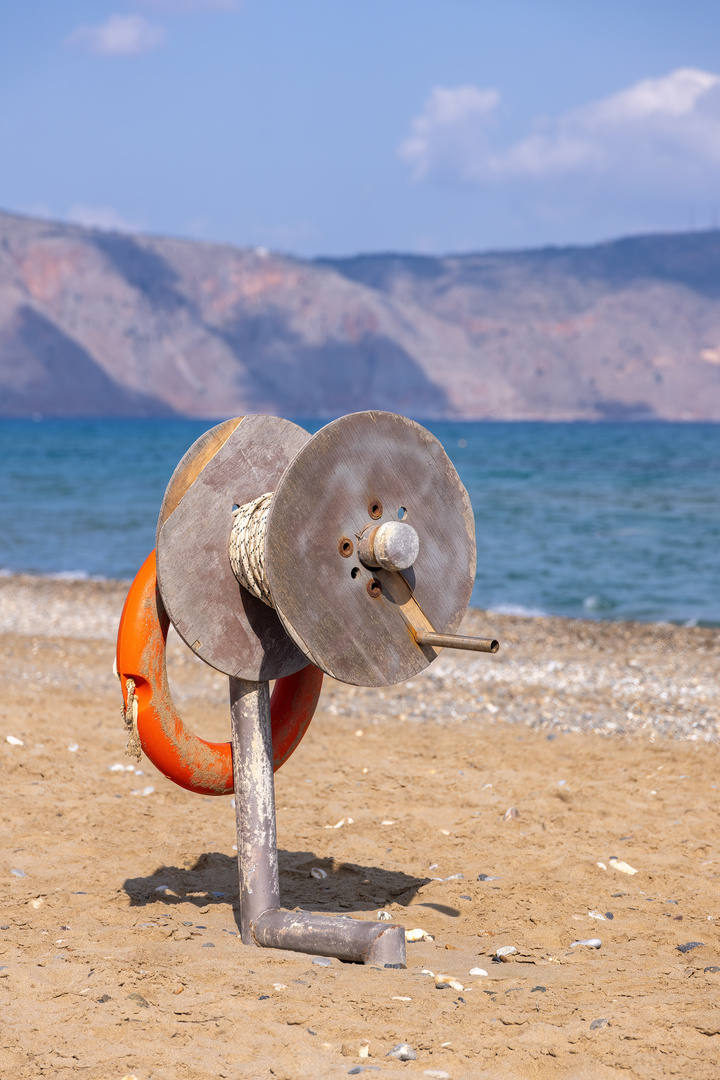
518 609
61 575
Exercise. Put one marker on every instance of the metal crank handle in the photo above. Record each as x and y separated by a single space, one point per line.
457 641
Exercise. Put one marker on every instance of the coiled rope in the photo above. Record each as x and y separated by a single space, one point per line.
247 546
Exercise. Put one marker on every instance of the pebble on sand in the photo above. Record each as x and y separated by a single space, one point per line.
478 971
438 1074
511 813
623 867
139 999
503 955
352 1049
445 982
14 741
318 873
593 942
384 916
403 1052
601 1022
418 934
322 961
18 873
690 945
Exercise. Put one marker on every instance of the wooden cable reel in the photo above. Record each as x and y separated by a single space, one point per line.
352 551
356 622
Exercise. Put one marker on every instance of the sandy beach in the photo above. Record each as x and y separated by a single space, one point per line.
494 801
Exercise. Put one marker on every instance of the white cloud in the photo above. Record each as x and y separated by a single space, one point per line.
120 35
662 132
101 217
450 130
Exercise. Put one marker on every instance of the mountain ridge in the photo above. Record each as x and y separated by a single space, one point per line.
114 324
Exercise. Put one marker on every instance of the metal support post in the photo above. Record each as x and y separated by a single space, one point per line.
262 921
254 802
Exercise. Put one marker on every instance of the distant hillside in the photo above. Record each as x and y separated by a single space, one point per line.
107 324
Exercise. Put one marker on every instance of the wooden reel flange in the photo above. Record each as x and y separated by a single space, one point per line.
228 627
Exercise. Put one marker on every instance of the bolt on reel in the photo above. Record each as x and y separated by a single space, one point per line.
281 556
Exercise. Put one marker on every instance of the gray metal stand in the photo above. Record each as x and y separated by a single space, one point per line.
262 920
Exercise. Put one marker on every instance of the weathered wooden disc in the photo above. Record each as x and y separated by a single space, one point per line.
361 470
224 624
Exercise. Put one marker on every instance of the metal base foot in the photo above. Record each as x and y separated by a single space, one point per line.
262 920
347 939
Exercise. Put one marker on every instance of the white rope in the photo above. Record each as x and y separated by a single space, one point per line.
130 716
247 546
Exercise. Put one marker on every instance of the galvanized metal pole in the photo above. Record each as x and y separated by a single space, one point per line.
262 921
254 802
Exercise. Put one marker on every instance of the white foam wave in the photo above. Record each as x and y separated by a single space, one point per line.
61 575
518 609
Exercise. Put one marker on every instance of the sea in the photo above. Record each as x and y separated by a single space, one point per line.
616 521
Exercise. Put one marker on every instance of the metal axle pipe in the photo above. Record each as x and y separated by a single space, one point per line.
457 641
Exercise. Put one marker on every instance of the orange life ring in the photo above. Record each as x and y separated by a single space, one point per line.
185 758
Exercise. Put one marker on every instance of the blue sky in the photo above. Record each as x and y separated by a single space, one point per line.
334 127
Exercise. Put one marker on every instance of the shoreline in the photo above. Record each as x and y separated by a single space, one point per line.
12 581
551 673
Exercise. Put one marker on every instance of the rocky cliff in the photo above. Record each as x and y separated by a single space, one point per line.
108 324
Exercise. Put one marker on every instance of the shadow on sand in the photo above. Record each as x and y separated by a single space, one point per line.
213 879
